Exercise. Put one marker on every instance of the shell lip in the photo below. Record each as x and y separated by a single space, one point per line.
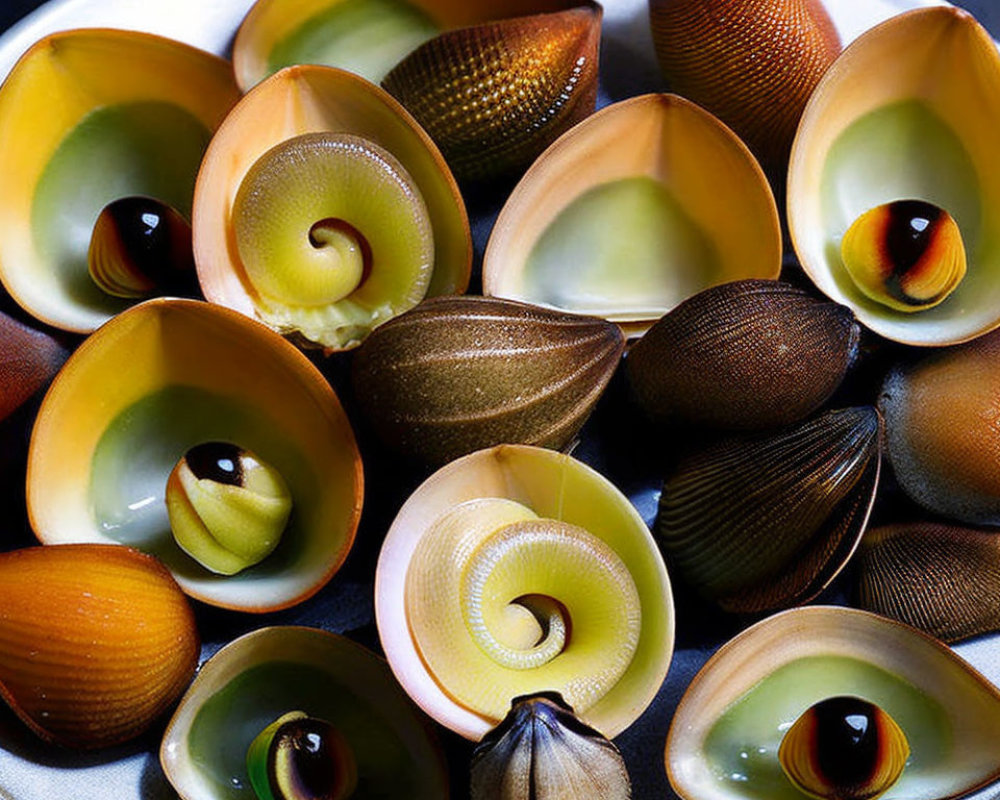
53 43
289 354
305 75
404 656
676 731
502 230
177 727
950 17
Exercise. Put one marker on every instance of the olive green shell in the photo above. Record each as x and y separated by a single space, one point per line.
493 96
766 521
743 355
457 374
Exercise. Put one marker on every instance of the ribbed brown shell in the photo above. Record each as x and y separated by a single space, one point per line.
744 355
457 374
944 580
28 361
752 63
494 96
763 522
95 641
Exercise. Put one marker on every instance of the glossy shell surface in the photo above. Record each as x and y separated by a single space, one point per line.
155 381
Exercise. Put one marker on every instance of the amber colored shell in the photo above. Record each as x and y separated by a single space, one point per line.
457 374
763 522
752 63
747 354
95 641
941 430
494 96
942 579
28 360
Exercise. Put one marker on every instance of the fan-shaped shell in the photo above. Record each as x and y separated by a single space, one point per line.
458 374
766 521
920 130
753 64
724 738
530 79
87 117
559 490
318 99
628 232
942 579
941 433
746 354
96 641
263 675
155 381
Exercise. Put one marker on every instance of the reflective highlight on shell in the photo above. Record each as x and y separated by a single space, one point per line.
844 748
907 254
496 95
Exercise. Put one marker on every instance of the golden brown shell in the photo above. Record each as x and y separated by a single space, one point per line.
493 96
942 579
457 374
752 63
766 521
95 641
747 354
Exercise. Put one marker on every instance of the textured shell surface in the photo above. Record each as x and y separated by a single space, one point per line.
746 354
494 96
85 679
942 579
766 521
753 64
458 374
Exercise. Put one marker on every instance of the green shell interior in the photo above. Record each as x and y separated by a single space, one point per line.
621 248
138 450
142 148
906 151
742 746
225 725
368 37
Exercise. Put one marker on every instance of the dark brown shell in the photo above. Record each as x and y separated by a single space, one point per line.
744 355
457 374
493 96
29 359
752 63
766 521
942 579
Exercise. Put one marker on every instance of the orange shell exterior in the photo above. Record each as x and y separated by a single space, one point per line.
96 641
752 63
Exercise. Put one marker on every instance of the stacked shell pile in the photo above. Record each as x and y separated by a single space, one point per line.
664 381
